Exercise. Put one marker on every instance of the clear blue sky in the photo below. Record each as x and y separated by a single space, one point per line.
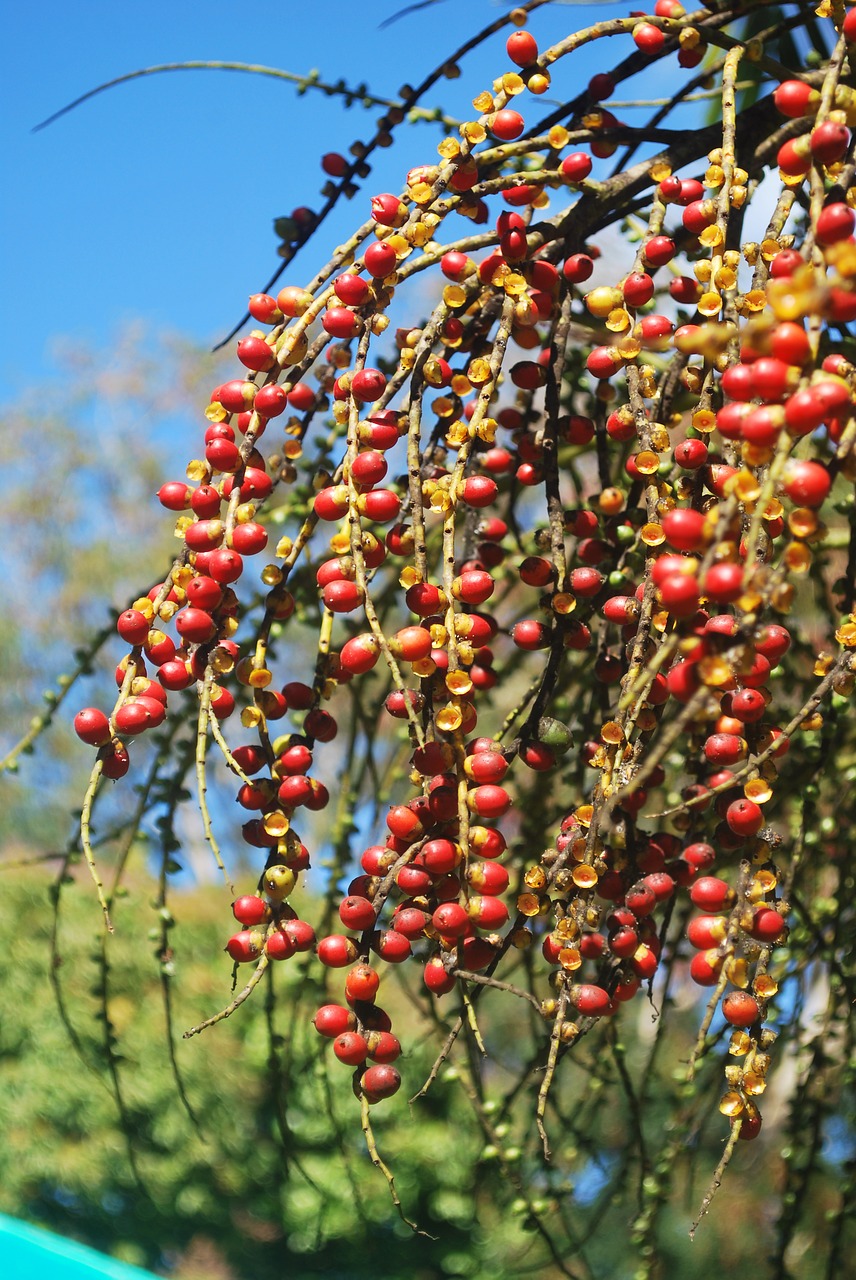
155 200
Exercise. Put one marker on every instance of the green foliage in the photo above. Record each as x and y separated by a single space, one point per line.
275 1178
141 1179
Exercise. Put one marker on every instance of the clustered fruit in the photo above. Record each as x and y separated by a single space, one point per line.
578 498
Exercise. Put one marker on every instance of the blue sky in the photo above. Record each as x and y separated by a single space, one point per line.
156 199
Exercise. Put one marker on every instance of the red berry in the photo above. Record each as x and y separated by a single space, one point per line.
383 1046
654 331
351 1048
641 899
279 946
295 759
705 932
684 528
174 495
115 761
250 538
744 817
339 322
685 290
250 909
262 307
773 641
225 565
175 675
195 625
451 920
601 86
747 705
679 593
356 913
393 947
380 259
621 609
256 354
473 586
293 301
767 925
644 962
530 634
334 1020
489 801
351 289
380 1082
245 946
331 503
133 717
829 142
487 912
439 856
478 491
334 164
750 1124
301 934
362 983
725 748
388 210
237 395
623 942
369 467
712 894
380 505
794 157
648 38
205 504
506 125
740 1009
336 951
204 535
806 482
529 375
578 267
589 1000
342 596
223 455
576 167
638 289
535 571
301 397
410 922
604 362
522 48
412 644
705 967
488 878
659 250
133 626
455 266
360 654
836 222
793 98
437 978
92 727
368 385
724 582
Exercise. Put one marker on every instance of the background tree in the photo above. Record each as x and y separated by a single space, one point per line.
606 599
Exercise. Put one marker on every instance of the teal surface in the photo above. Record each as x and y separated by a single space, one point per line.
26 1253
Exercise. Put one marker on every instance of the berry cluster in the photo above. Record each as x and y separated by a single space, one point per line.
542 510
